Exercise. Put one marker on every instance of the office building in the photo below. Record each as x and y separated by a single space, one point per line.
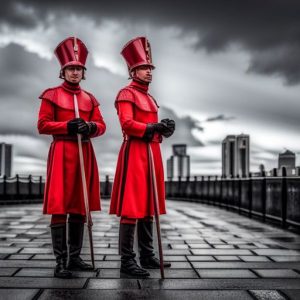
236 156
179 163
5 159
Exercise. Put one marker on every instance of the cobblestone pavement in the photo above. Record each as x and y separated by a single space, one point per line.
215 254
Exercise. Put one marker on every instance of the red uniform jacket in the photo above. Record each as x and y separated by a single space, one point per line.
63 191
132 194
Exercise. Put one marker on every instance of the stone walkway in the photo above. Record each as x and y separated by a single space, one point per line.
215 254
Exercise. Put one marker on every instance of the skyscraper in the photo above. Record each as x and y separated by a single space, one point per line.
5 159
179 163
236 155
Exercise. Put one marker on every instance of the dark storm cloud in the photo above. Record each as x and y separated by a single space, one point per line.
269 29
220 118
15 13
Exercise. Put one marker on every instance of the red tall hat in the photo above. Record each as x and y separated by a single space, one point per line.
71 52
137 52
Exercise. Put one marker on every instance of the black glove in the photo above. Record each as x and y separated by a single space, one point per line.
170 127
92 127
77 125
152 128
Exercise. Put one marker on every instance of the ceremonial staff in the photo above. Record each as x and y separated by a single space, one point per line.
84 187
156 209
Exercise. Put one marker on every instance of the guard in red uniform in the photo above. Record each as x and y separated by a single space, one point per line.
63 191
132 195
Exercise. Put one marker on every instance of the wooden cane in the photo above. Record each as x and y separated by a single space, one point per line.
156 210
84 187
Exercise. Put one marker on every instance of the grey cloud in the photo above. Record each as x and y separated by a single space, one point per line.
184 127
260 27
220 118
27 75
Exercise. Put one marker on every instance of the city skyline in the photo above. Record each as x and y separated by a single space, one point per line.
221 69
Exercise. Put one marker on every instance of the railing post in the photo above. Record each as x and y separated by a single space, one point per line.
186 185
17 186
30 185
250 195
239 193
194 187
179 187
284 195
41 186
226 202
5 186
208 189
264 195
106 188
215 190
170 182
201 188
221 191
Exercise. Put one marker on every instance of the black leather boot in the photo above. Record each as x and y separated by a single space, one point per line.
128 263
59 242
145 241
75 239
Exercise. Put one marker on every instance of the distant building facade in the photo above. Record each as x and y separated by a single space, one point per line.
287 159
6 159
236 156
179 163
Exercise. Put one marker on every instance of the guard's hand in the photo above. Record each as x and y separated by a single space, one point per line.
77 125
152 128
170 124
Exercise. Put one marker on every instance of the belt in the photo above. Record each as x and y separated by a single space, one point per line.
72 138
156 138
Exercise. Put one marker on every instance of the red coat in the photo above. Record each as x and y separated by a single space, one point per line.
132 195
63 191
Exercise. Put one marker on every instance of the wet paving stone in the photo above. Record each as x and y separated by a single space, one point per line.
254 258
201 258
176 273
292 294
113 284
143 295
232 273
220 252
18 294
7 271
215 254
267 295
281 258
227 258
243 265
9 250
35 272
277 273
220 284
36 282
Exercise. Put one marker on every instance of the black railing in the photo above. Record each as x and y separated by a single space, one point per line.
30 189
270 198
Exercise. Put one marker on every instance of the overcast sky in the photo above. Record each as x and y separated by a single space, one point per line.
222 67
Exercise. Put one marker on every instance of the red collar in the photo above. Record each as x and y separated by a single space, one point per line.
71 88
139 86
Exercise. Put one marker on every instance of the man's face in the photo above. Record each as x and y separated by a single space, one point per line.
73 74
144 73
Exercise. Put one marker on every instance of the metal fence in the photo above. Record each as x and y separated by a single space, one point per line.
270 198
30 189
